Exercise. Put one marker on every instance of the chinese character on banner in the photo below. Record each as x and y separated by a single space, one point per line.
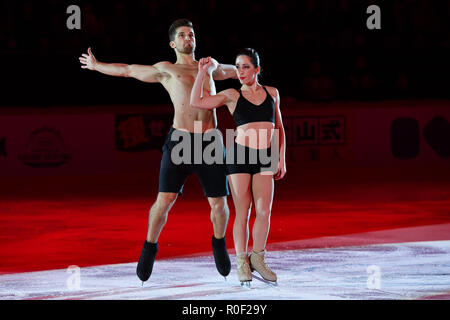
332 130
326 130
140 133
132 132
336 155
304 131
157 128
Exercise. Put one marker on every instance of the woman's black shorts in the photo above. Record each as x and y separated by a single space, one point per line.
242 159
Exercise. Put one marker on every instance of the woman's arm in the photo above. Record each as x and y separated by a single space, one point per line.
281 138
201 98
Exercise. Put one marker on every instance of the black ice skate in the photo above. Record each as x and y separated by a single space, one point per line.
146 260
221 257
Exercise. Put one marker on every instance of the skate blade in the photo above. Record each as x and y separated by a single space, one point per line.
271 283
245 284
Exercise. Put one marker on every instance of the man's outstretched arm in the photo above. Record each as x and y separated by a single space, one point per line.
224 71
141 72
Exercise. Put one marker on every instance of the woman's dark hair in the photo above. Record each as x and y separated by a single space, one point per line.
175 25
254 58
252 54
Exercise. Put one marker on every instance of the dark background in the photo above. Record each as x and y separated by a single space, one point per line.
313 50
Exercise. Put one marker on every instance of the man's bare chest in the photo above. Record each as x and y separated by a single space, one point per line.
185 75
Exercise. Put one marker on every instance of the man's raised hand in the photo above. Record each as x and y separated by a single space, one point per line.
88 61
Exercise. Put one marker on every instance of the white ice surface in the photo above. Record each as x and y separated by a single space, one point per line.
410 270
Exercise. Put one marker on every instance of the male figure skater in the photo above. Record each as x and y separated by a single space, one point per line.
178 79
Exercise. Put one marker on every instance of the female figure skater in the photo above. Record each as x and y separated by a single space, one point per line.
256 111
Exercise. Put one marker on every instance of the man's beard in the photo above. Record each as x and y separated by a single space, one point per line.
186 49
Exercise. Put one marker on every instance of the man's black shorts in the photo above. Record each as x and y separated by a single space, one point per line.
172 176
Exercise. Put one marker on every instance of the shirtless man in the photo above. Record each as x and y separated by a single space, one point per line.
178 80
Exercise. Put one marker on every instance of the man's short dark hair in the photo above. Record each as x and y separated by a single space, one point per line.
176 24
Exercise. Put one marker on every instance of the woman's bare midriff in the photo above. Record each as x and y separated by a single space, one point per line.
255 135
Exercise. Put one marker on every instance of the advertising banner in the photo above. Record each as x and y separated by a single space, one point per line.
56 144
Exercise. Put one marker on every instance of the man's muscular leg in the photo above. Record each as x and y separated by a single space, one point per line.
158 215
219 215
156 221
219 219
